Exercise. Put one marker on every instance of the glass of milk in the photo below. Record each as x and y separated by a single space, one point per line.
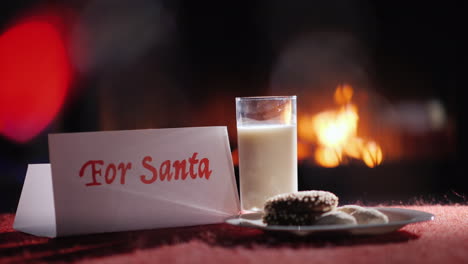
267 140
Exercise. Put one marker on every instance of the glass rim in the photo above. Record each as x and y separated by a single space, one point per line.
272 97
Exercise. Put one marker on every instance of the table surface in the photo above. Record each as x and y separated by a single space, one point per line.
444 240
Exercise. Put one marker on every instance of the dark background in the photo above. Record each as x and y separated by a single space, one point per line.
202 54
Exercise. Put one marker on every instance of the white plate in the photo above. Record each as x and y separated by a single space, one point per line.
397 218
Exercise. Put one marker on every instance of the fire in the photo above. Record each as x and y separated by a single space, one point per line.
372 154
335 132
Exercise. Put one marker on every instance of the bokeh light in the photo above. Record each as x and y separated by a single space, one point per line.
34 77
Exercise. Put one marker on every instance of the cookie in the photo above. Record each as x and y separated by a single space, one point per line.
364 215
335 218
299 208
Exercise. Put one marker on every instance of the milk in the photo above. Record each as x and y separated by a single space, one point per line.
267 163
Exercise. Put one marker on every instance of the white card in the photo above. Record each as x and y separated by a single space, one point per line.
130 180
36 213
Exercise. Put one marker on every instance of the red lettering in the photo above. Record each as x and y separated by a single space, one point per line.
206 168
146 163
180 167
165 170
94 171
123 168
193 160
110 179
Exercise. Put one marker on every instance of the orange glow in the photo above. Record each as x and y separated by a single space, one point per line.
343 94
34 78
303 151
335 132
327 157
354 147
335 128
372 154
304 128
235 157
287 113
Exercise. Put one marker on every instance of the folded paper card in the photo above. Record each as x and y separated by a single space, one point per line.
129 180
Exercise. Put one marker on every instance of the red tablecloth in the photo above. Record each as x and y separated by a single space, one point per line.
444 240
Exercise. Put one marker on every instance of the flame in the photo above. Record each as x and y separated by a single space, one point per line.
335 132
327 157
335 128
372 154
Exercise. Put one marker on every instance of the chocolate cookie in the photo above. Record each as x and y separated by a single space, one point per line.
299 208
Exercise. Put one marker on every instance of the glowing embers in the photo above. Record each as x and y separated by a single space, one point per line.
335 134
34 77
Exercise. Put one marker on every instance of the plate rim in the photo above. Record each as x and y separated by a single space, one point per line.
420 216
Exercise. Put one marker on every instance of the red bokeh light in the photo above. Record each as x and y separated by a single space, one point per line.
34 78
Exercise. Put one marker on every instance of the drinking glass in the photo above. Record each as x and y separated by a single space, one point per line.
267 141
